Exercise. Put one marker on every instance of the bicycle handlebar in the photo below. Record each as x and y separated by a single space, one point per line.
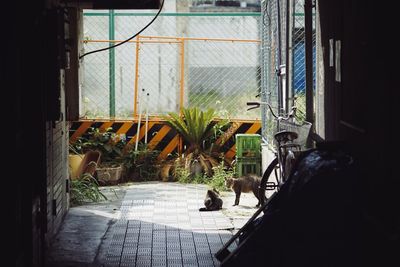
257 104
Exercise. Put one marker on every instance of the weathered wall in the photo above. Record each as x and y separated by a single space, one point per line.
57 175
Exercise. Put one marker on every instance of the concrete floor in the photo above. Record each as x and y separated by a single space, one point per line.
148 224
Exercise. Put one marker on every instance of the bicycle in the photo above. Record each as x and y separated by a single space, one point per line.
289 138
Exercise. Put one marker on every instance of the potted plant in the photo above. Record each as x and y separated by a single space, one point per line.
110 147
142 164
197 129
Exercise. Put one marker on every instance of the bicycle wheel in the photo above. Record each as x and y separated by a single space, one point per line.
266 182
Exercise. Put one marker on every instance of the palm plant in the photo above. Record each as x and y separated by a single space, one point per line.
196 127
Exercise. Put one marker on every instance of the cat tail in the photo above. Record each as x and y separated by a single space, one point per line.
204 209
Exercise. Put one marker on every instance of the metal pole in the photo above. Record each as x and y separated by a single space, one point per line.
182 80
147 118
263 65
280 100
293 45
308 28
139 120
182 85
111 58
287 71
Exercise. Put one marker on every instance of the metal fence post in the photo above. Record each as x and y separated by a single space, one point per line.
279 59
288 95
135 104
181 88
111 58
182 78
308 28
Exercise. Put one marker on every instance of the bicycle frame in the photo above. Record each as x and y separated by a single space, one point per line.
284 140
286 147
285 156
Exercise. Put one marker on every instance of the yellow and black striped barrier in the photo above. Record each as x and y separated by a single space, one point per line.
160 136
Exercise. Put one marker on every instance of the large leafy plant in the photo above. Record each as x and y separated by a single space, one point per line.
197 127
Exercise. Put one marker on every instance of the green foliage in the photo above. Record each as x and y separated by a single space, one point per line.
218 130
217 181
198 128
85 188
107 142
182 175
76 148
200 179
213 98
195 126
143 162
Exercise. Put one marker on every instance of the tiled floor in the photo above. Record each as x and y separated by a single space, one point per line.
160 225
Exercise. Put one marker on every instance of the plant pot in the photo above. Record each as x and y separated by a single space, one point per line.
75 164
79 164
92 156
165 172
109 175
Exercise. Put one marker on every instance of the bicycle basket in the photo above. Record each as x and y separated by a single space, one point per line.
303 130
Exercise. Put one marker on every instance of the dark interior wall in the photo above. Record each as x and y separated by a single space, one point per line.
32 72
24 77
359 110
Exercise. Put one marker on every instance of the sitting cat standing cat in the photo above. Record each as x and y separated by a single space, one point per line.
244 184
212 201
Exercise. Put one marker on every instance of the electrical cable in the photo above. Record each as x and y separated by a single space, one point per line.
130 38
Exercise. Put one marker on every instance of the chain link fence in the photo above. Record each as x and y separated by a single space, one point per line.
283 60
298 53
205 60
273 58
